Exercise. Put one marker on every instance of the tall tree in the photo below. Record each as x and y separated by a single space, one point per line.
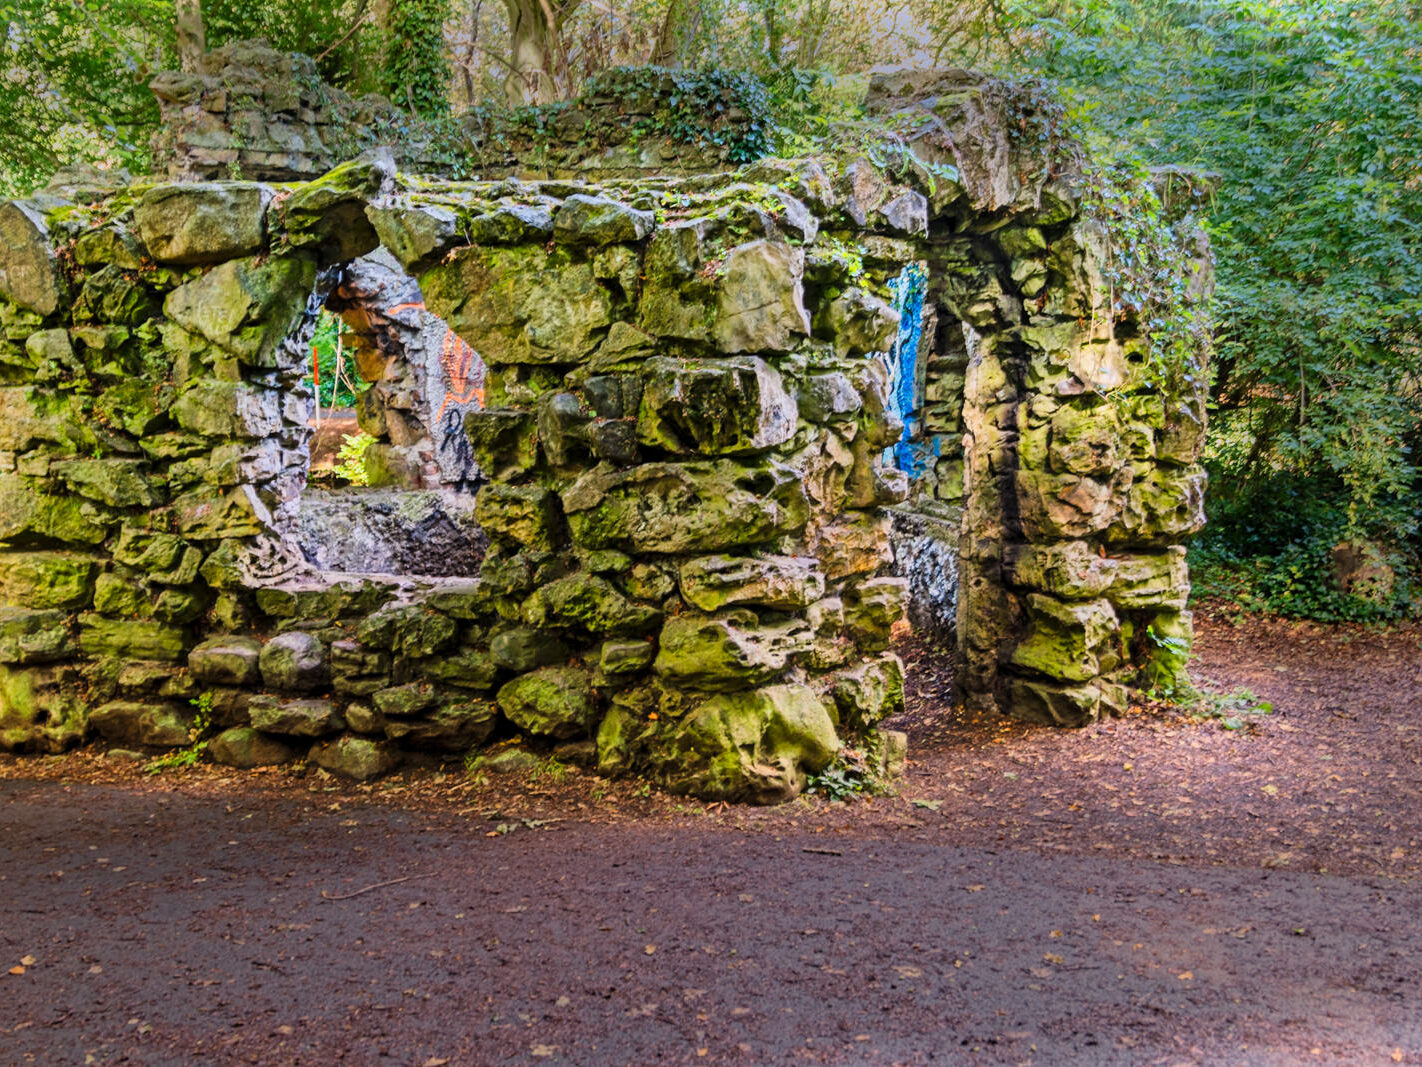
192 37
538 55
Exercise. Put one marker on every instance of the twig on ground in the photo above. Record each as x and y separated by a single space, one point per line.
367 889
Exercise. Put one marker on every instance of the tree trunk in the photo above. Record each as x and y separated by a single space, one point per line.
192 38
535 44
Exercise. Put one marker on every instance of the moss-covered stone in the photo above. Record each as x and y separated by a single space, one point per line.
519 516
295 662
555 702
787 582
589 602
131 722
520 304
714 407
245 307
29 274
244 748
131 638
359 758
1071 642
690 507
731 650
227 660
47 579
202 223
295 718
451 727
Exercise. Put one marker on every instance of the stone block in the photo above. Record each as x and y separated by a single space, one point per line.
596 220
29 274
202 223
295 718
786 582
244 748
760 299
359 758
558 702
47 579
588 602
130 722
295 662
689 507
34 636
731 650
714 407
228 660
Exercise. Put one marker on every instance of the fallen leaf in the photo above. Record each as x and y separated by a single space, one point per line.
650 949
1186 976
976 888
1051 957
17 970
931 805
28 961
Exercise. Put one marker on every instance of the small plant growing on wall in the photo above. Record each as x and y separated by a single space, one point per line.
350 460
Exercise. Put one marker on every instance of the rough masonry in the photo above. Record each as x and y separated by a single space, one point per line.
685 444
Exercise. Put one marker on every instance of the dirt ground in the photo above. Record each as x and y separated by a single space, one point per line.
1223 887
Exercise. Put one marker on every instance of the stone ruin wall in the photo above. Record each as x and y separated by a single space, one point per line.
684 426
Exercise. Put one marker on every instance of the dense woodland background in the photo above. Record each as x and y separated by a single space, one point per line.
1309 112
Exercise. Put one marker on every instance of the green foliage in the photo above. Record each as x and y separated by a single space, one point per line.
416 71
1234 711
190 754
1308 110
723 108
326 342
73 84
350 460
855 772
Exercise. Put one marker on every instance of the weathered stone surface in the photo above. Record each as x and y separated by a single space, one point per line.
468 668
47 579
592 603
29 274
41 709
828 398
715 407
860 323
1056 704
29 636
688 507
119 483
727 651
760 300
859 543
788 582
228 660
202 223
295 662
756 745
28 513
245 307
128 722
359 758
596 220
867 692
524 649
418 236
225 410
504 441
329 213
131 638
522 516
295 718
551 702
1068 641
520 304
872 608
451 727
410 630
243 747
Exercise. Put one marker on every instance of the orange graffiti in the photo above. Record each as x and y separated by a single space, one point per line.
461 365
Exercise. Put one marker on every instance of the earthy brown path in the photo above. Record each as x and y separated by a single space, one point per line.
1132 894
